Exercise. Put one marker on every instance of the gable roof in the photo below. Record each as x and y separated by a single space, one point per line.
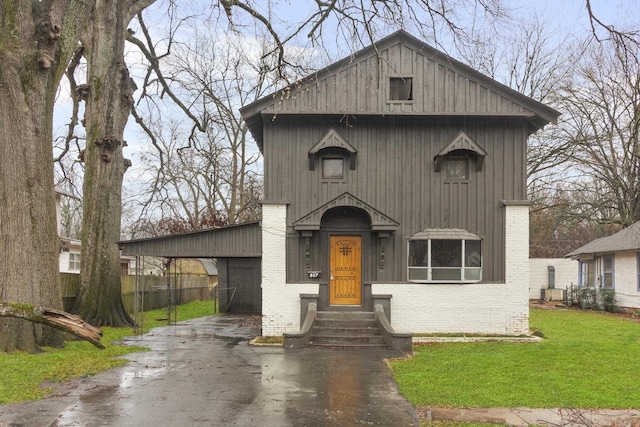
624 240
359 85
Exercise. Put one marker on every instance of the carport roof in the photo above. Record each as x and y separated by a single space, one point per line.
233 241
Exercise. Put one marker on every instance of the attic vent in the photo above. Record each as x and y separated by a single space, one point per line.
400 88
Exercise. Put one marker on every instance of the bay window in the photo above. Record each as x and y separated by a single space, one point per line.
445 256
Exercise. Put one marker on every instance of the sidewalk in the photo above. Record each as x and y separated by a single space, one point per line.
534 416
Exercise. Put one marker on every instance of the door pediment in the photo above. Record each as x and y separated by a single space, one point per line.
379 221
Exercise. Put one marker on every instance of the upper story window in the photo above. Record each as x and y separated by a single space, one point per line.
400 88
458 157
74 261
457 167
331 154
332 168
445 256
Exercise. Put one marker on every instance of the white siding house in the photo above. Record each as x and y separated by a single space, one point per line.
612 262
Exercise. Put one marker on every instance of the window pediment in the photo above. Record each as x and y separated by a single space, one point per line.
332 141
461 144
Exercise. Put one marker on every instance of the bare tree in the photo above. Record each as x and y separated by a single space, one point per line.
602 106
202 177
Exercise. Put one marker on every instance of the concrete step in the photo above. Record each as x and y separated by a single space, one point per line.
346 323
345 345
347 315
346 329
343 339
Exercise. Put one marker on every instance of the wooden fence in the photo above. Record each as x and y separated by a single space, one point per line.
155 290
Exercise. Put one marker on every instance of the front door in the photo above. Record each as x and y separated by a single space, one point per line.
345 265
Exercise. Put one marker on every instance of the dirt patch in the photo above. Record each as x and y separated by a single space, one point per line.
254 321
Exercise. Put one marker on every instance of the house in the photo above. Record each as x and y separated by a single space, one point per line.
69 257
612 262
549 278
397 177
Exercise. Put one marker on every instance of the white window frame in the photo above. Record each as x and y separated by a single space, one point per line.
585 272
606 272
465 271
74 261
638 271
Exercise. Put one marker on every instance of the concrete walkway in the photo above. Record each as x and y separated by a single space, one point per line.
204 373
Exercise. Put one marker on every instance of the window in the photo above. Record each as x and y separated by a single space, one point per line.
586 277
457 167
332 168
607 272
401 89
74 261
445 260
638 271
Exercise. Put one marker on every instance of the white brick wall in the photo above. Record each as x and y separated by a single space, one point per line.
517 268
487 308
484 308
280 301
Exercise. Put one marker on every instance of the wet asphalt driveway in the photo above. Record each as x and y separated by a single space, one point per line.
204 373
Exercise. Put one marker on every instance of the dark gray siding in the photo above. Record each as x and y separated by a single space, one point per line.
243 240
359 84
239 288
395 174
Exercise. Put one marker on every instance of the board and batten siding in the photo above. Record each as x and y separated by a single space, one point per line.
395 174
361 86
243 240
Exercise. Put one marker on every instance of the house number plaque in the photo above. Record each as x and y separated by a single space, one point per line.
313 274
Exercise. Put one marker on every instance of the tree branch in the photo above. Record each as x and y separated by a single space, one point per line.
55 318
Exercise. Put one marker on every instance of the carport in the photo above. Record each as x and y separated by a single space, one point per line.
237 248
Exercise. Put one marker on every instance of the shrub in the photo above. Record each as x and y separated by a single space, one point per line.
587 298
608 299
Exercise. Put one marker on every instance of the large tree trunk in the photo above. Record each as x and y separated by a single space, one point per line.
35 44
108 104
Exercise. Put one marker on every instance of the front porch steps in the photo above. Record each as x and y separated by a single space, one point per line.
346 329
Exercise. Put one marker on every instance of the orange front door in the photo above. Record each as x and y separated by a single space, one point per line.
345 270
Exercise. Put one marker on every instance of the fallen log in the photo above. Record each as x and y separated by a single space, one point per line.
55 318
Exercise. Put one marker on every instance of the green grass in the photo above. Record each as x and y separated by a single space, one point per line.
587 360
22 374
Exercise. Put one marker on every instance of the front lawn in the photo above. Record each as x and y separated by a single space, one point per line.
21 374
587 360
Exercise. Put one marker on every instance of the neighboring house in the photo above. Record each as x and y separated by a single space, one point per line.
550 277
397 174
612 262
69 258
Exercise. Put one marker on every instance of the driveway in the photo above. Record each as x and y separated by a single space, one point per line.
204 373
